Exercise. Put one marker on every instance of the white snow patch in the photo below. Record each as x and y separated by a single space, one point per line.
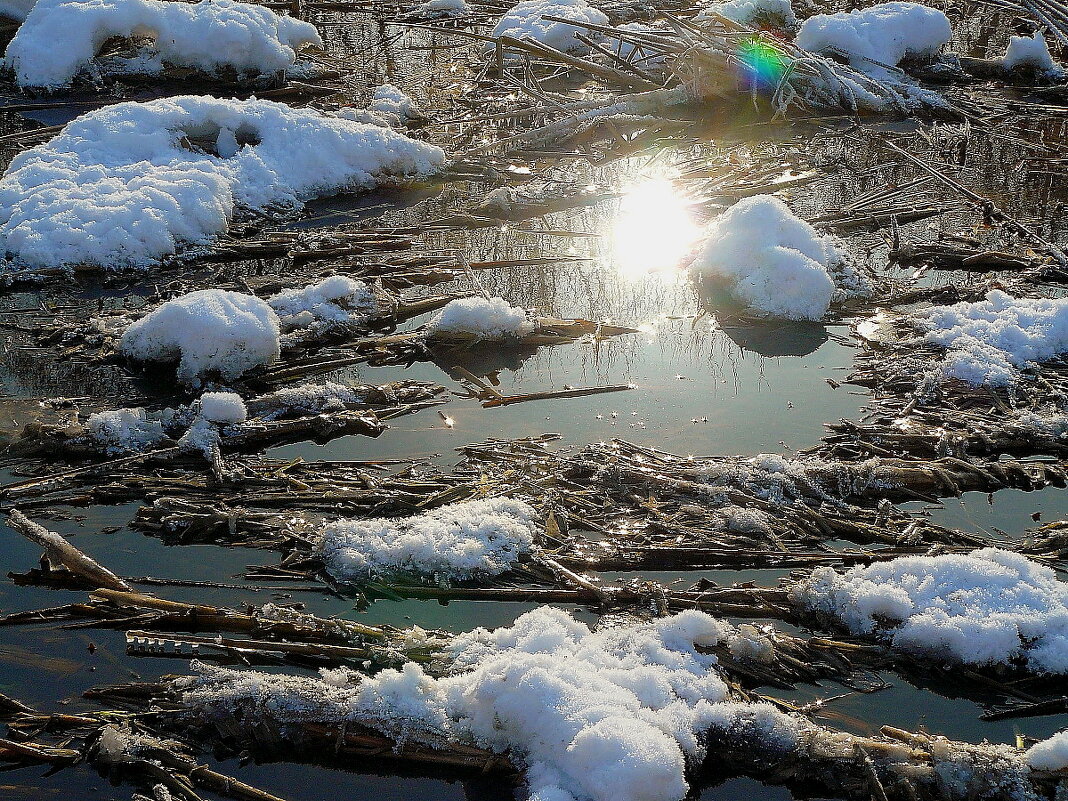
337 299
770 259
60 37
458 541
117 187
1051 754
884 34
775 13
1031 52
525 21
986 607
443 9
485 319
207 331
124 431
989 341
388 99
223 407
609 715
308 399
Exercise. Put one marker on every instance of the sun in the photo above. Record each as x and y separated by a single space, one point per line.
654 229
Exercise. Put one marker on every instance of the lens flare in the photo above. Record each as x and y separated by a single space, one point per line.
764 65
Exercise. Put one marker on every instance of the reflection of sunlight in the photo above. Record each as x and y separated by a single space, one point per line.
654 230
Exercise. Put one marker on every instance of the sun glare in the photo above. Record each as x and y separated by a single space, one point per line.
654 230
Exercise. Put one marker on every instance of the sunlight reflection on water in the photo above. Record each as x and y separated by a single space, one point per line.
654 230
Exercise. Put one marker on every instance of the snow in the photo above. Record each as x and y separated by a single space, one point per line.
989 341
16 9
770 259
117 187
1031 52
308 399
459 541
388 99
223 407
609 715
334 300
775 13
524 21
986 607
210 331
124 431
439 9
884 34
484 319
60 37
1051 754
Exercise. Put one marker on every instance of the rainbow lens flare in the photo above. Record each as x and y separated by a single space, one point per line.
764 64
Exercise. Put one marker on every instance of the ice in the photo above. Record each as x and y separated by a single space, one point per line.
773 261
884 34
482 318
459 541
124 431
59 38
210 331
988 342
986 607
123 186
525 21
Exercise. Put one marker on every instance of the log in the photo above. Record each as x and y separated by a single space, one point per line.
59 550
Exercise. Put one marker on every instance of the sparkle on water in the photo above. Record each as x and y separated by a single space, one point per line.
654 230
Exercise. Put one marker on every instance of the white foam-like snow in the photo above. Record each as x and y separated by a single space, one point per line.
989 341
308 399
458 541
1051 754
884 34
117 187
124 431
443 9
775 13
986 607
526 21
483 318
337 299
609 715
1031 52
207 331
388 99
223 407
770 259
60 37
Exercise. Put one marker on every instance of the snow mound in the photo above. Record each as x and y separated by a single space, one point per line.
525 21
122 186
485 319
773 261
990 340
1051 754
208 331
885 34
17 10
308 399
608 715
778 14
443 9
124 431
388 99
986 607
60 37
223 407
459 541
1031 53
333 300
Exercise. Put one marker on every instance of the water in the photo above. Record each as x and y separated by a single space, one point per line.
703 384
